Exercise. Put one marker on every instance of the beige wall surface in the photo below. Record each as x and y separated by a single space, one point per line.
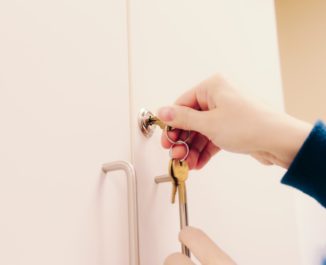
302 42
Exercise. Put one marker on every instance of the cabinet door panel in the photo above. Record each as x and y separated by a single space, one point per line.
239 203
64 111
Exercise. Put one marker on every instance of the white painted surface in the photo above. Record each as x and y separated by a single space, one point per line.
64 111
311 218
240 204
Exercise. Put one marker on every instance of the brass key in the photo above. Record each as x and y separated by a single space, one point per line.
178 174
174 181
147 120
180 171
154 120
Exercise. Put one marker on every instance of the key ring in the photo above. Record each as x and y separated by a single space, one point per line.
169 129
180 142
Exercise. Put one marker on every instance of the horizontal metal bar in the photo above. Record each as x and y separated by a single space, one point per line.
162 179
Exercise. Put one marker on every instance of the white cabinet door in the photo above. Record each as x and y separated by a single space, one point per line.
64 111
239 203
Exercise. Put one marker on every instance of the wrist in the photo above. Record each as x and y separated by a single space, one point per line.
285 136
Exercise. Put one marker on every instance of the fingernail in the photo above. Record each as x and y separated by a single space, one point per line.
166 113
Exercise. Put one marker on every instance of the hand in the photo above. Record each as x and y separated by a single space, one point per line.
221 118
205 250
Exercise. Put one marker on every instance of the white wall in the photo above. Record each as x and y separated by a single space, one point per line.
64 111
64 108
241 205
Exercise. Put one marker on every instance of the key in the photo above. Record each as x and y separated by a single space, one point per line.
174 181
154 120
180 172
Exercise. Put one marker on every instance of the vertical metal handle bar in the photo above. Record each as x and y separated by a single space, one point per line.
132 206
184 221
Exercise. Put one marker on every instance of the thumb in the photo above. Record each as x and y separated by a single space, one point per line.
184 118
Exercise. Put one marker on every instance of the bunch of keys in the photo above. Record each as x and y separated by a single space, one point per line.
178 171
178 174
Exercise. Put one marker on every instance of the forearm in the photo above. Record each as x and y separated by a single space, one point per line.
284 136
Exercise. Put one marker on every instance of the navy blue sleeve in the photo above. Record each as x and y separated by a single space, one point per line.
307 172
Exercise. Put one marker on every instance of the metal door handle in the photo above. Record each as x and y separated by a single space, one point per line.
132 206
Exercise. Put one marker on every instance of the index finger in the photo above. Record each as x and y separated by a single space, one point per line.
189 99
